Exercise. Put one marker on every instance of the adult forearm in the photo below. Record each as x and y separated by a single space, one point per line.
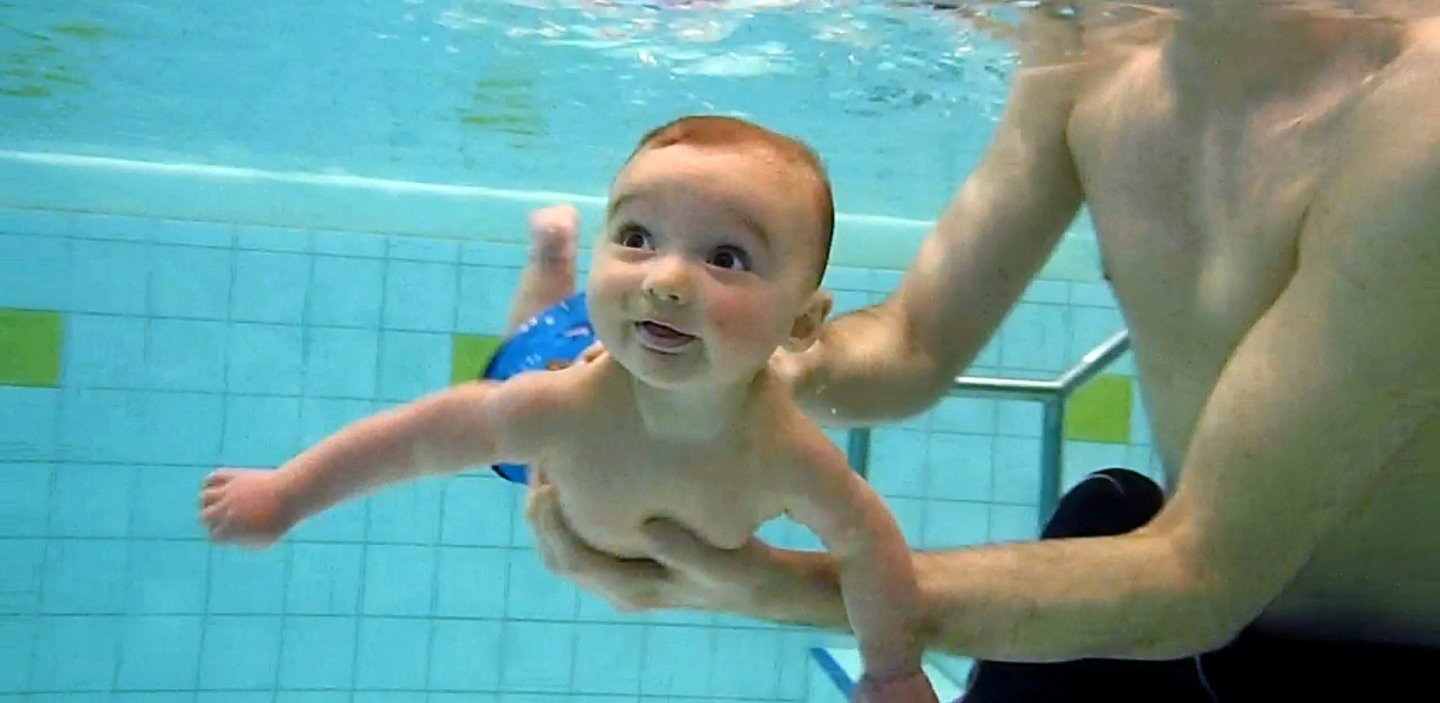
1120 597
804 591
865 370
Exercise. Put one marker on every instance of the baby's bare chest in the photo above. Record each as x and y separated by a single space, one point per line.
607 491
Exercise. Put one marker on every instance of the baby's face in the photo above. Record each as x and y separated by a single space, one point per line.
706 264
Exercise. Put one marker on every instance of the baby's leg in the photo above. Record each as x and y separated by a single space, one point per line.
549 275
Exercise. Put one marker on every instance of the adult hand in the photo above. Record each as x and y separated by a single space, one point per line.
912 687
686 572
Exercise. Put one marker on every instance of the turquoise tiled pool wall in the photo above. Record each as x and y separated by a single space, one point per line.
138 354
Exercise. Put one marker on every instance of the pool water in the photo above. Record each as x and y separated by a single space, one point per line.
229 228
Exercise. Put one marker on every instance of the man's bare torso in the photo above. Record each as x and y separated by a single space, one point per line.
1201 210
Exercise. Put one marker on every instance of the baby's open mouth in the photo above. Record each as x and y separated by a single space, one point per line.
662 337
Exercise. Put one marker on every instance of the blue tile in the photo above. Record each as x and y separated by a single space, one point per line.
261 238
413 364
190 282
269 287
482 253
317 652
183 428
94 425
743 664
838 278
28 423
22 579
1014 523
486 296
191 233
76 653
884 280
36 272
420 296
248 582
261 430
1092 295
348 244
1035 338
266 359
464 655
950 524
959 467
342 362
126 229
342 523
313 697
167 577
1092 327
608 658
897 462
85 576
1019 418
104 350
26 506
535 593
17 643
393 654
847 301
445 251
399 580
988 361
521 669
471 582
322 417
1017 470
1051 292
159 652
186 355
672 665
407 513
92 500
229 697
478 511
109 276
44 222
324 579
347 292
160 491
240 651
968 415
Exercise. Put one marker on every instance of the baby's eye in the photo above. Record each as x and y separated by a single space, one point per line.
728 257
633 237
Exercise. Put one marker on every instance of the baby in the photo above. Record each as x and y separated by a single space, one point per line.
716 237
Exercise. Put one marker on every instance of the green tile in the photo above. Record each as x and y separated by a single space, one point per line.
471 353
30 343
1100 410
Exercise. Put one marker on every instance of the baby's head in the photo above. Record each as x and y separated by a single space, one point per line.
716 237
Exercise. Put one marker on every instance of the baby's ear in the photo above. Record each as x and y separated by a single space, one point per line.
806 328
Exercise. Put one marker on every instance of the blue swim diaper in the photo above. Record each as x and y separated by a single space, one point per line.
551 340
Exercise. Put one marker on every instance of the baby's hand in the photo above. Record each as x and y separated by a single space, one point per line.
245 507
909 688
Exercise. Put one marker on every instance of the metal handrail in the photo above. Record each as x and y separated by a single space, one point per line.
1052 395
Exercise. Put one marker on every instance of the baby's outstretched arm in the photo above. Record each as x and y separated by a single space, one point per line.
877 580
446 432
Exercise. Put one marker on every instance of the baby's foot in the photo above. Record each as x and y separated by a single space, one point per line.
245 507
553 231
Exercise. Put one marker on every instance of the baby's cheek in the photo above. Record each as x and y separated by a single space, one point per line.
744 325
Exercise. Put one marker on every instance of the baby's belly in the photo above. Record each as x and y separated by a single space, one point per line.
613 526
